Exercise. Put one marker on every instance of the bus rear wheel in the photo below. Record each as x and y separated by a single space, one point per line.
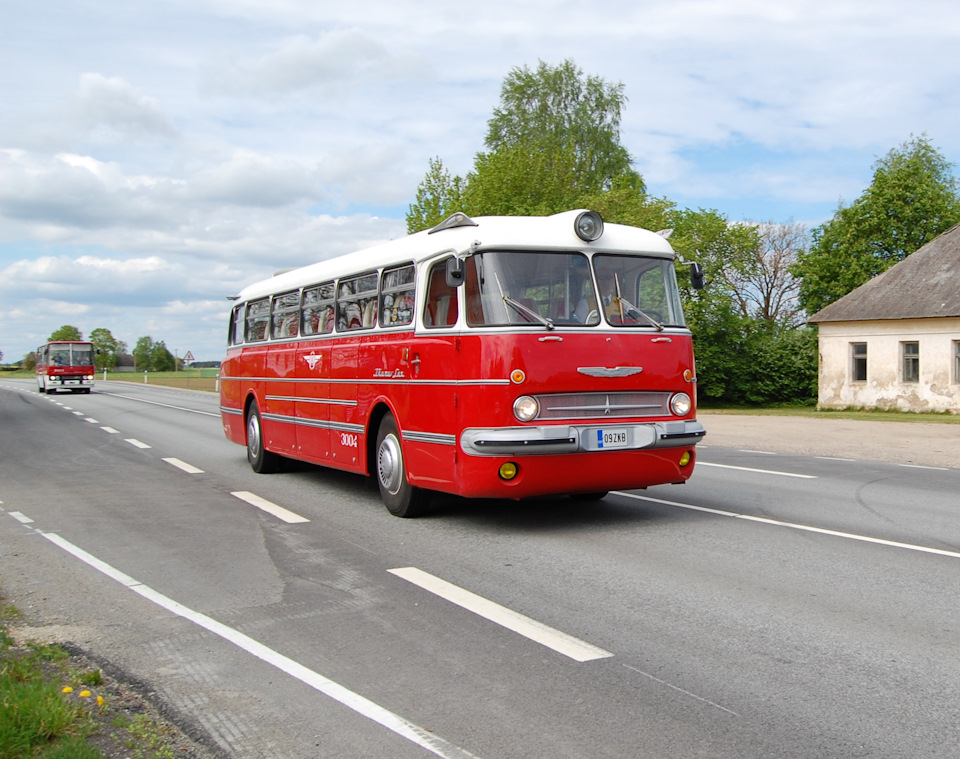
399 496
261 460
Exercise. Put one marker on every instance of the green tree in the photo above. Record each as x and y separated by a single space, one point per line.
558 110
29 361
142 352
161 359
66 332
721 330
553 141
438 196
108 348
912 199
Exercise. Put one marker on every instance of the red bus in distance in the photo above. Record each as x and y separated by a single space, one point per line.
496 357
65 365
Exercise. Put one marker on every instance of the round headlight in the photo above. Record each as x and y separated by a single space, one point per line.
681 404
589 226
526 408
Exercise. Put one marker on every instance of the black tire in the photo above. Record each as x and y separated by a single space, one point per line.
398 495
261 460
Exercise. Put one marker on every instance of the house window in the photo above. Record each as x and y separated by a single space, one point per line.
858 362
956 360
910 353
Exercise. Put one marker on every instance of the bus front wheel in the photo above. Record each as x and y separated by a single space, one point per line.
399 496
261 460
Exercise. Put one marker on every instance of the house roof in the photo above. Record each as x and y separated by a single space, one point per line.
924 285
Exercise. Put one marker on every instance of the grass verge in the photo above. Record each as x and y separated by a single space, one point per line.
58 703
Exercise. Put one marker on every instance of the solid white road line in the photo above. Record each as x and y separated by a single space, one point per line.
188 468
402 727
560 642
761 471
794 526
268 506
166 405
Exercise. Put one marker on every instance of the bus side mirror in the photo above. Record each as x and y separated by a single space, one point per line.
696 276
455 272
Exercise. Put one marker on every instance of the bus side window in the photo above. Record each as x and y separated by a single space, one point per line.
318 311
357 302
236 326
258 318
286 314
440 306
397 296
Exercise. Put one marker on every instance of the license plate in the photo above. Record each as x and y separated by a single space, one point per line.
612 439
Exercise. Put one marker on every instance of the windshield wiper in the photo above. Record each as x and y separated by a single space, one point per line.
548 323
633 309
630 307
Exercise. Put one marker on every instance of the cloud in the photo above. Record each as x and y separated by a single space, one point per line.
109 108
333 64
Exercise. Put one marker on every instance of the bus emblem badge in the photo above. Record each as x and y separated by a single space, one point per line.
312 360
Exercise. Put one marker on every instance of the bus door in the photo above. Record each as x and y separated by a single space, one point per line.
278 409
356 314
429 423
314 358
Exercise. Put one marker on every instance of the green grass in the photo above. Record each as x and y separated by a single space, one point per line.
52 709
36 718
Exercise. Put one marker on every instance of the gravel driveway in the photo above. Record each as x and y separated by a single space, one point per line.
918 443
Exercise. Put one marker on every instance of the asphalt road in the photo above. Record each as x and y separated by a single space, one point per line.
778 605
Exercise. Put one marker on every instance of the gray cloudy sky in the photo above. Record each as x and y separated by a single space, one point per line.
157 156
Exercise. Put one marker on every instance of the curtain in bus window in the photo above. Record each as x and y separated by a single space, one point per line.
258 318
318 309
286 314
397 295
357 302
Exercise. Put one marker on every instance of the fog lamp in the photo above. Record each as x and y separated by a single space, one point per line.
685 458
507 471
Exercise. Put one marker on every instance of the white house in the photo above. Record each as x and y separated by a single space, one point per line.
894 342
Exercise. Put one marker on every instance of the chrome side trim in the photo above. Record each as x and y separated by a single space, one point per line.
430 437
297 399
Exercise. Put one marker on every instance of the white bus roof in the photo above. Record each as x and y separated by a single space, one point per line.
554 233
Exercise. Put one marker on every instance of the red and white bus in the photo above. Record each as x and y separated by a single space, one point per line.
65 365
475 358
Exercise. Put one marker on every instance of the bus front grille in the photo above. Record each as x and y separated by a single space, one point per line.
615 405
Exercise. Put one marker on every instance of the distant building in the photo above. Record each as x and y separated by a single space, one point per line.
125 363
894 342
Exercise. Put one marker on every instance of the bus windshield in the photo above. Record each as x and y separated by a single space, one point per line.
71 355
512 288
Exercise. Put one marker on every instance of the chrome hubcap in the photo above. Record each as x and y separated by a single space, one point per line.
253 435
390 464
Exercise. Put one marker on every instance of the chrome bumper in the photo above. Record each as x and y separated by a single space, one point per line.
532 441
